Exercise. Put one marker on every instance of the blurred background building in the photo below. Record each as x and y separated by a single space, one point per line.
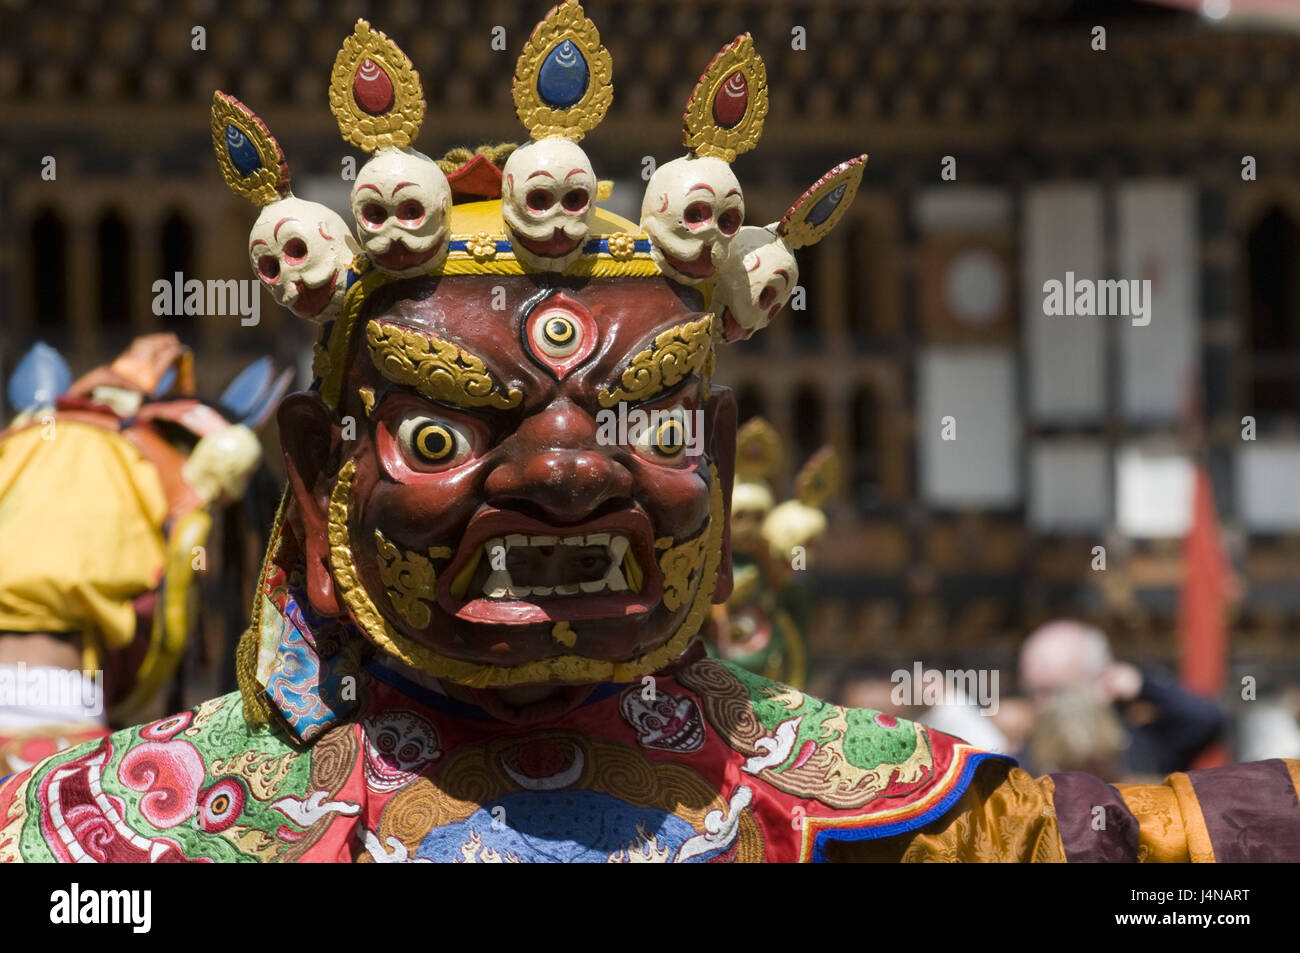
1006 149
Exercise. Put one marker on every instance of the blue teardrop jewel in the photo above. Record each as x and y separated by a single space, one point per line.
243 154
564 76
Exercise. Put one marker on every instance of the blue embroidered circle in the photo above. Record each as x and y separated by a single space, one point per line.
564 76
243 154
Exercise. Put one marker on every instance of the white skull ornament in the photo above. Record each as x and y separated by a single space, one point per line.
400 203
664 721
548 192
754 282
302 251
692 209
399 745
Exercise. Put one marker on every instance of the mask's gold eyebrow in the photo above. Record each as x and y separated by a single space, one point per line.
674 355
436 368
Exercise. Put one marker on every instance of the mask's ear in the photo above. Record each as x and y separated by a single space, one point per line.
815 213
310 441
720 419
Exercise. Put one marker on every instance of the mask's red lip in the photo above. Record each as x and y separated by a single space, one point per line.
557 246
399 257
312 301
732 329
491 524
699 267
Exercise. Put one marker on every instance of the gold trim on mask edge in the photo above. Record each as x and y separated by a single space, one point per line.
564 668
675 354
436 368
409 578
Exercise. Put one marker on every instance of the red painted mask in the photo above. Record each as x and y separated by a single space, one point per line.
527 479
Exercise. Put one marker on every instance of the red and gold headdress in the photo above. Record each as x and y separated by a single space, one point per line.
534 208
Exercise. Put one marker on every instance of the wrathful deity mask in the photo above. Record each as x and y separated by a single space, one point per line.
477 526
481 526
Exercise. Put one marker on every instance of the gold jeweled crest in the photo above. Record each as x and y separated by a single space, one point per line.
375 93
818 480
758 450
725 114
820 209
252 162
564 77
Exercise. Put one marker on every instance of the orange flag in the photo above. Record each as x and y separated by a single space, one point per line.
1203 602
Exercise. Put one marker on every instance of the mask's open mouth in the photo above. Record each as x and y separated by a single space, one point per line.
557 246
732 329
701 266
399 257
312 301
537 573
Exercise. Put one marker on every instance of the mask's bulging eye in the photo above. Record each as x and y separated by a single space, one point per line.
434 442
431 441
665 438
670 437
557 335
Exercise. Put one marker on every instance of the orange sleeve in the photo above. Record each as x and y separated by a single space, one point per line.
1240 812
1005 816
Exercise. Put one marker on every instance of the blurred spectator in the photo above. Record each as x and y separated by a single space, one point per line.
868 687
1078 731
1165 726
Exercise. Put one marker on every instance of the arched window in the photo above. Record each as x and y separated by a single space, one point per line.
177 241
805 326
750 403
1273 251
49 276
860 244
114 240
808 427
176 252
864 465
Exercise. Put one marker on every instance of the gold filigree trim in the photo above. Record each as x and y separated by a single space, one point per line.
679 565
701 132
622 246
409 579
263 185
563 668
565 22
399 124
482 246
437 369
675 354
367 395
